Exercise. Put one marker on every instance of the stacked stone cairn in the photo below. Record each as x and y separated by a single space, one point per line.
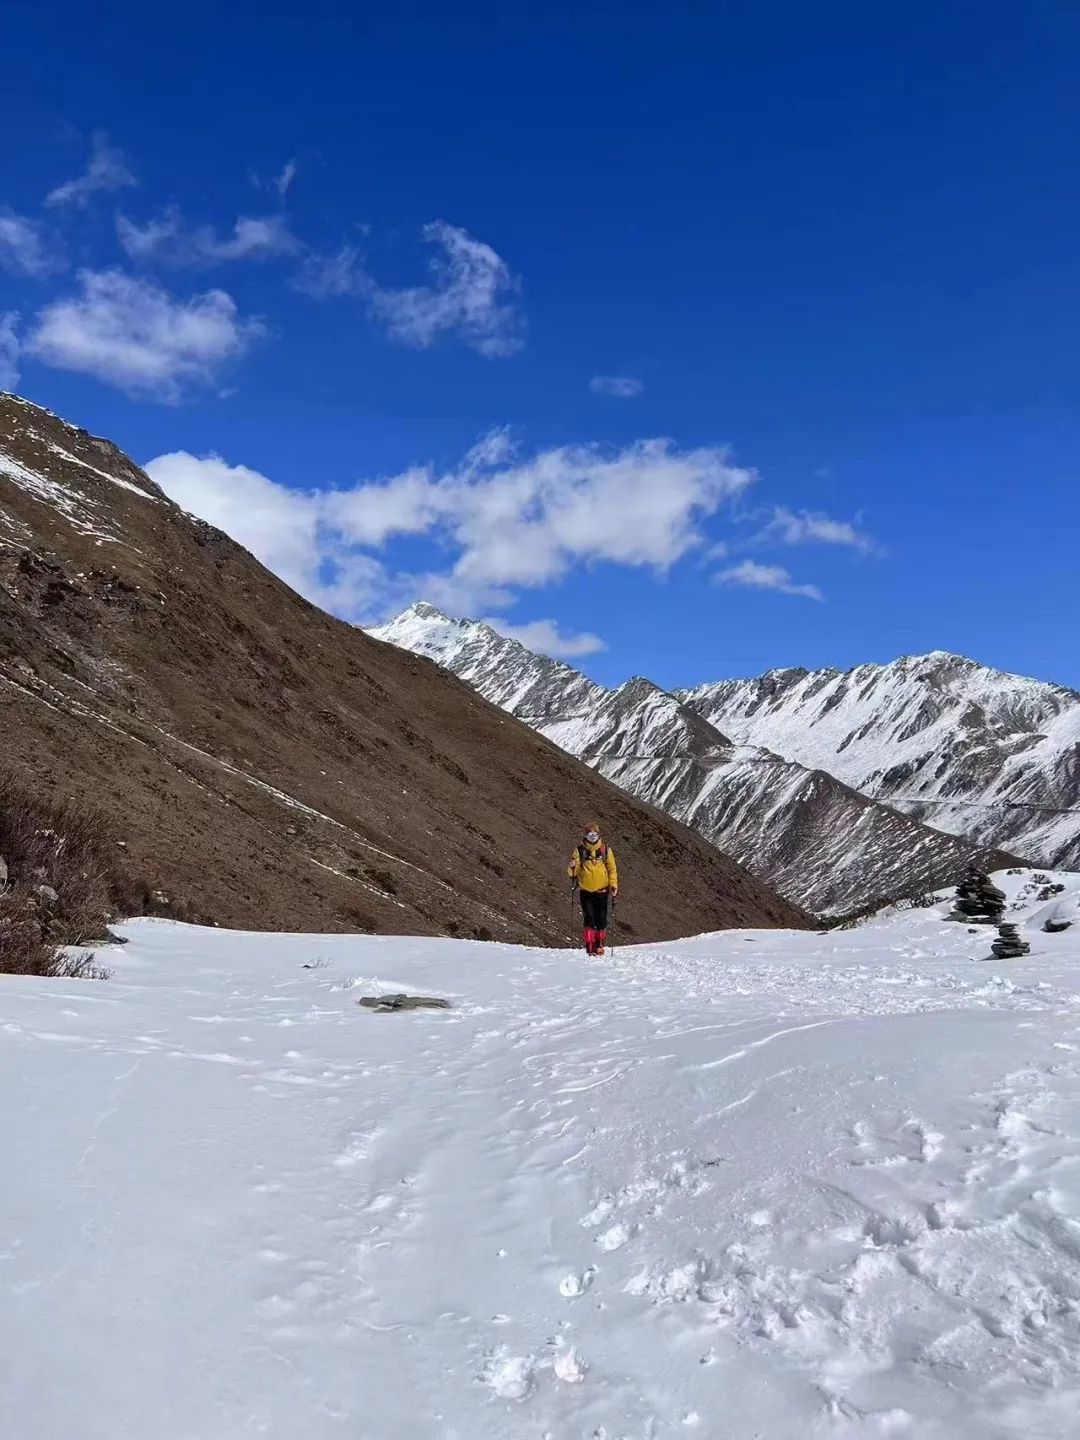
978 901
1008 945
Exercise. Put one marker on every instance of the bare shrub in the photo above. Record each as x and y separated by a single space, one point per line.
82 966
25 948
61 882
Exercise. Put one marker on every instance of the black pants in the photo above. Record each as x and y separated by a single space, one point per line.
594 909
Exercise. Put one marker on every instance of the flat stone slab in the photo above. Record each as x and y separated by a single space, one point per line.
383 1004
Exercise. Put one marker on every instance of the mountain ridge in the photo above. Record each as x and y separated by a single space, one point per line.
814 838
963 746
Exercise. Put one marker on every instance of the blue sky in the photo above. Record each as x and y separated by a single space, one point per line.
728 335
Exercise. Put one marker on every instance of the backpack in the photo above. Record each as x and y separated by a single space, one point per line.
583 854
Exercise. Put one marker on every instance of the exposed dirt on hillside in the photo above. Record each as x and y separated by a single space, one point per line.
270 767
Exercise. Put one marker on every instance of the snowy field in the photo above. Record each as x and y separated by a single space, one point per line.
757 1184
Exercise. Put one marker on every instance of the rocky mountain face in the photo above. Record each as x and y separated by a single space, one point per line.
967 749
270 767
816 840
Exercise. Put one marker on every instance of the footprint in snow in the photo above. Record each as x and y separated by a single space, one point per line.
572 1286
569 1367
356 1149
512 1377
599 1212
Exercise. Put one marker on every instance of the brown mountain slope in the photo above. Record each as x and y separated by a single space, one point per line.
271 767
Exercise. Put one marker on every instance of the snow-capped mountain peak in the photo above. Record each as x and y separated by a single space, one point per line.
515 678
967 748
815 839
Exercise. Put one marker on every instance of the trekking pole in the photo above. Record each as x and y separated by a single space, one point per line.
570 932
611 927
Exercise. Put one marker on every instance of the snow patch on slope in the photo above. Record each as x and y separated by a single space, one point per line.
70 459
76 509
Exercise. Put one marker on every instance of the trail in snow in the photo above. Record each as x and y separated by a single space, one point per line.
753 1184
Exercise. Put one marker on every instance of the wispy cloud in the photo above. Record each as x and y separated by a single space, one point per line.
135 335
508 523
325 276
804 527
166 240
9 352
470 296
25 249
623 387
107 169
279 183
766 577
282 181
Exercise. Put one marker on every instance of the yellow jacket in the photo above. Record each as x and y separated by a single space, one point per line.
593 867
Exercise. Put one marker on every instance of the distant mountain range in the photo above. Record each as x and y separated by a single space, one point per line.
787 811
970 750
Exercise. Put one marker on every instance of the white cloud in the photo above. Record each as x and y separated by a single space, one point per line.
494 448
467 298
24 248
453 593
283 528
791 527
525 524
545 637
506 525
282 182
623 387
9 352
144 242
108 169
135 335
766 577
471 296
169 242
407 504
325 276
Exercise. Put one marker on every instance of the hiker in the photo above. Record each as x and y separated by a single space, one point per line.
592 870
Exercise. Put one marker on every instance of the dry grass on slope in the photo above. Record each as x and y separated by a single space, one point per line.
59 883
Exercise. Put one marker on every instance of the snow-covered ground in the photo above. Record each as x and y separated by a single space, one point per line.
756 1184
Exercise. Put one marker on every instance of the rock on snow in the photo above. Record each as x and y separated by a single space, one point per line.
758 1183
